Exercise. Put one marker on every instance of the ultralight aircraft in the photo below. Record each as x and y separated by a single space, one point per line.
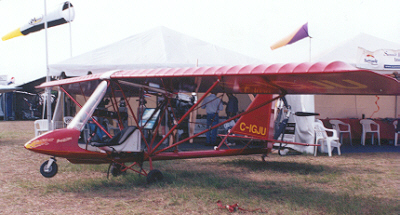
132 145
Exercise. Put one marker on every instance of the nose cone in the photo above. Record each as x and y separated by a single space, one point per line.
38 142
53 142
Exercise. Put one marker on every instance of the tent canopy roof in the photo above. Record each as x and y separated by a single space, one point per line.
347 51
157 48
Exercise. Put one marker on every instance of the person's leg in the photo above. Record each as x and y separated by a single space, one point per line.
214 131
209 120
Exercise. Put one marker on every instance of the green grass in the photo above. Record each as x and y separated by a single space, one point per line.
289 196
302 184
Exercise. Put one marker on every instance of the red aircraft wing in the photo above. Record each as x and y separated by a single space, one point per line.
336 78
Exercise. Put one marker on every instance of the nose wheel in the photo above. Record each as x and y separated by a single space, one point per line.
49 168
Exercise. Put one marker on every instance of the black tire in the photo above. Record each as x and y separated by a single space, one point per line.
115 169
154 175
52 171
283 151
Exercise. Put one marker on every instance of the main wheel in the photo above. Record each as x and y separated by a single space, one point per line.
154 175
283 151
49 172
115 169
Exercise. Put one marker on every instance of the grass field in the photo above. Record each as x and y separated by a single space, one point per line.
359 183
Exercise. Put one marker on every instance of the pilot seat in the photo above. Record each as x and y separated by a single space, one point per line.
126 140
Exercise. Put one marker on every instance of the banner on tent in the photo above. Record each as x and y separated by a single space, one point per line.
3 79
381 59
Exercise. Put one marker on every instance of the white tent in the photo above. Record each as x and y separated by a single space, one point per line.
156 48
357 106
347 51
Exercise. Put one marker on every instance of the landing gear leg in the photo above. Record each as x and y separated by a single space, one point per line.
263 156
49 168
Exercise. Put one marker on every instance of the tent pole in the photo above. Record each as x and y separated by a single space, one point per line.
70 34
396 114
48 90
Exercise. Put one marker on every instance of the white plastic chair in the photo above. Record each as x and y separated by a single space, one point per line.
41 125
68 119
396 132
330 141
57 124
367 128
336 124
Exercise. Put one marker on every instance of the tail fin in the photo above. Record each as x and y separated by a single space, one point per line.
257 122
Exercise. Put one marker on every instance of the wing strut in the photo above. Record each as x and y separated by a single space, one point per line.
182 118
219 124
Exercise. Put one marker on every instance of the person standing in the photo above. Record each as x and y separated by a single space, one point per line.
213 105
123 111
232 106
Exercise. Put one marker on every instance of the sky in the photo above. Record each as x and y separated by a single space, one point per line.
248 27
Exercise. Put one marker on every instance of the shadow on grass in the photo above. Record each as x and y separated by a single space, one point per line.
210 186
278 166
295 168
100 185
292 195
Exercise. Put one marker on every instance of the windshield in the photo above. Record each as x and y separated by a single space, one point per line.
90 106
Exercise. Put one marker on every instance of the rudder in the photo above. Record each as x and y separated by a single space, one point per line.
256 123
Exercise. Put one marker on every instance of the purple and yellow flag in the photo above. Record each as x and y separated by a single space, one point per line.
297 35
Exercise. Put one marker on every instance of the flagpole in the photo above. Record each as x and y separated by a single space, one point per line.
48 90
70 34
309 53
